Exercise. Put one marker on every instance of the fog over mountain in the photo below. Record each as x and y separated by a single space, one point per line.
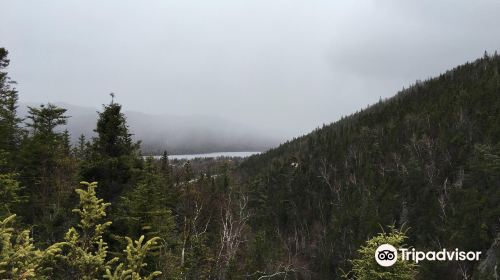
283 66
175 133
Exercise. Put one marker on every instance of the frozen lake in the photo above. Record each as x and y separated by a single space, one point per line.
211 155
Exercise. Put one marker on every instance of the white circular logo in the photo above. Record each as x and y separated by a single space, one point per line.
386 255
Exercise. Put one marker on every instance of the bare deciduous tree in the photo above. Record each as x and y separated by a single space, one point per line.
234 218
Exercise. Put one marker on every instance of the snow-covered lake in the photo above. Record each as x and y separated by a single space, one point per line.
211 155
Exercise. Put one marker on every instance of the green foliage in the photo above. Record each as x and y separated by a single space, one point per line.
85 251
366 268
113 139
48 171
146 209
10 132
82 255
112 156
133 266
91 211
19 259
45 118
427 158
9 193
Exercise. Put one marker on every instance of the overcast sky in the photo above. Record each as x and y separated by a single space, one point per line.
286 66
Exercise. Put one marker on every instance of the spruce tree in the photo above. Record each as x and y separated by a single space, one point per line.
80 150
84 251
19 259
45 119
113 154
10 136
9 193
146 210
48 171
165 167
366 268
10 132
114 139
83 254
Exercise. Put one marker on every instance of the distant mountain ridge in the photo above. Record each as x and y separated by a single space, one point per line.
176 134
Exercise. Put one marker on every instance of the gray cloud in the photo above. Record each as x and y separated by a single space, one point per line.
286 66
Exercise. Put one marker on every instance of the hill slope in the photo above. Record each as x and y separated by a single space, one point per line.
428 159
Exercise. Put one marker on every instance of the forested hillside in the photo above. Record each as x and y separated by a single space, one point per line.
421 169
427 159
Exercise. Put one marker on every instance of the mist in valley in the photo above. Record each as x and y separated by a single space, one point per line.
177 134
233 75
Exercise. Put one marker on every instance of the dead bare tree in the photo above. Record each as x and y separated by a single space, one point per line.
443 199
283 270
234 218
325 173
464 271
191 228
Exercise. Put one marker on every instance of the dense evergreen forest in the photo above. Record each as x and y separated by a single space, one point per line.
426 160
421 169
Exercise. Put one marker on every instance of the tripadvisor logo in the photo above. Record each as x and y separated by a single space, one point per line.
387 255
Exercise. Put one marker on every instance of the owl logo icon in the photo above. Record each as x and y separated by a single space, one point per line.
386 255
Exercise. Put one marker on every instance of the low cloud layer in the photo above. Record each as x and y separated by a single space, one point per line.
285 66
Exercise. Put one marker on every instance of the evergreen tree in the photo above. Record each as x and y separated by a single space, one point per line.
85 252
81 149
145 209
9 193
45 119
113 138
133 266
82 255
19 259
10 132
366 268
48 171
113 154
165 167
